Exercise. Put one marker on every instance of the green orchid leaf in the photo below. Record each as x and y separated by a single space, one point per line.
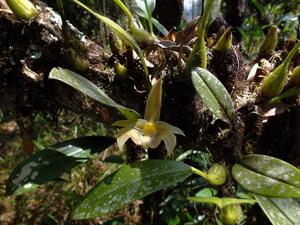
125 9
155 22
292 92
129 183
222 202
259 7
206 192
146 7
123 34
114 159
159 26
280 210
267 176
51 163
213 94
88 88
274 82
198 56
219 222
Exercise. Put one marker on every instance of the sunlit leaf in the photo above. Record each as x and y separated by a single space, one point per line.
267 176
213 94
130 183
88 88
222 202
51 163
123 34
280 210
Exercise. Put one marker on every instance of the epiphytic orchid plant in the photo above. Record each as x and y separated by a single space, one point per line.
149 132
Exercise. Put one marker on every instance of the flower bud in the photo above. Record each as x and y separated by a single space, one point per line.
216 175
121 70
270 42
295 78
231 214
22 9
225 41
77 61
274 82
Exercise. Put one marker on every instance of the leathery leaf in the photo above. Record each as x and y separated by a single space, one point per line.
267 176
129 183
88 88
213 94
280 210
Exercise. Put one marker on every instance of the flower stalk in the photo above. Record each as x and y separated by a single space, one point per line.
216 174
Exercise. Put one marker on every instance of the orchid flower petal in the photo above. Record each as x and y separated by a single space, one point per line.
153 105
146 140
164 128
155 142
170 142
125 133
136 136
122 137
140 124
125 123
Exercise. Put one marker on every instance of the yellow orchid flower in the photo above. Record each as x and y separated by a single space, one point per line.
149 132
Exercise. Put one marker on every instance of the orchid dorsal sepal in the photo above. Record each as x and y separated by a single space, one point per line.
153 104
